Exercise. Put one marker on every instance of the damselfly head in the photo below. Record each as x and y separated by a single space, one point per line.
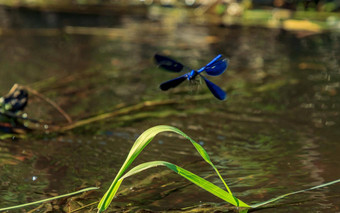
192 75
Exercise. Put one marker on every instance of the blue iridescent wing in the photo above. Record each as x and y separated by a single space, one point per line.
215 90
218 57
168 63
173 83
217 67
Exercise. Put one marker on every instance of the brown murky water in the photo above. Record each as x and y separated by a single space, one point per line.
277 132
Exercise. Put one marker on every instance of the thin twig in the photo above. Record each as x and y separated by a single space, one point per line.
36 209
126 110
14 87
204 8
115 113
85 206
52 103
13 115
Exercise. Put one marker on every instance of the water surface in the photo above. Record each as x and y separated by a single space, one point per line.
277 132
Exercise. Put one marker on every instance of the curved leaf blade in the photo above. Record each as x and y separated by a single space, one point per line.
142 141
204 184
293 193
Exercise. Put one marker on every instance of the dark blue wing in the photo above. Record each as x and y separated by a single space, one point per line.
218 57
215 90
217 67
173 82
168 63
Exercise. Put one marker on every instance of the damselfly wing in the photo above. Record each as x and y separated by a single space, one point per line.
173 83
216 68
215 90
168 63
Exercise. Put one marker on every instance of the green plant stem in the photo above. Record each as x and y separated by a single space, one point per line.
49 199
293 193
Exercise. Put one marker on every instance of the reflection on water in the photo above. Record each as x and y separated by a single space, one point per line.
277 132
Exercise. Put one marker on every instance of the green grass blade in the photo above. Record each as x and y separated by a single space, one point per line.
142 141
49 199
204 184
293 193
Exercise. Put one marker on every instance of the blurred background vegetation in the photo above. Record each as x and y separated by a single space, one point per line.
311 15
310 5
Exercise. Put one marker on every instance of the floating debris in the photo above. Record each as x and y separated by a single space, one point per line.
10 107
